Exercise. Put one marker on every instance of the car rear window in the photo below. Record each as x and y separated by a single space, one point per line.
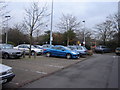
117 48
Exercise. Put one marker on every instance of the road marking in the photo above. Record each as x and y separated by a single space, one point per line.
14 83
114 56
41 72
31 71
55 66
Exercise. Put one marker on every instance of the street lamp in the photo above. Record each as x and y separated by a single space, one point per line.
51 38
84 34
7 29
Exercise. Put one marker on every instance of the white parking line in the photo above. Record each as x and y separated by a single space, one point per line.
55 66
32 71
14 83
115 56
41 72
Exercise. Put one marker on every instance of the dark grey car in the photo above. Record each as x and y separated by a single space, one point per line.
7 51
102 49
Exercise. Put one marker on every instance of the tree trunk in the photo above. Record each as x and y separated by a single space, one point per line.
30 44
67 41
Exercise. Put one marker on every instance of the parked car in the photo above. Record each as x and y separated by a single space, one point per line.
61 51
7 51
38 46
45 47
6 74
102 49
117 51
26 48
81 49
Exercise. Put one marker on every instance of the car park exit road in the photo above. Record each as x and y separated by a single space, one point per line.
100 71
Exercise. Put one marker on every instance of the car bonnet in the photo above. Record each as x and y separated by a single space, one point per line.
4 68
11 50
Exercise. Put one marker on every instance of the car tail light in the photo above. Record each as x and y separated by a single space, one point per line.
44 49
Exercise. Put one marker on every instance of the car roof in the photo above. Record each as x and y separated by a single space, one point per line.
59 46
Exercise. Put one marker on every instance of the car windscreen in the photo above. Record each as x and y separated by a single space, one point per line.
6 46
79 48
117 48
66 48
72 48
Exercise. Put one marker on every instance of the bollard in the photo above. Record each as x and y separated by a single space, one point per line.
35 54
23 54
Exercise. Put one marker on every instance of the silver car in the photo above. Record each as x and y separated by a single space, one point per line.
7 51
6 74
26 48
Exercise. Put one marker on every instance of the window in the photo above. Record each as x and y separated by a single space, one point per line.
20 46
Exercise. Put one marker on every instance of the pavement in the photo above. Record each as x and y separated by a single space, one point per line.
29 70
99 71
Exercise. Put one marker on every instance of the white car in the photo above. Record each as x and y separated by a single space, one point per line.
6 74
26 48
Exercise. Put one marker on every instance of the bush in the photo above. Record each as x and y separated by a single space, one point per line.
90 52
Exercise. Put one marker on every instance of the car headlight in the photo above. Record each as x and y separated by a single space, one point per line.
9 71
12 53
74 53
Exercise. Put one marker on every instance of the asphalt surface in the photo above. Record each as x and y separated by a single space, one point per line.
29 70
100 71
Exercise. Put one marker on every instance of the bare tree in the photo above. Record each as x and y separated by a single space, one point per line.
34 19
105 31
68 22
114 20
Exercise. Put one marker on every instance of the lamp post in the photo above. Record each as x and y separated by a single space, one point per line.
7 29
51 38
84 34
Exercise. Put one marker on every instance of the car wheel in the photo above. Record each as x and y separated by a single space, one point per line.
5 56
68 56
32 53
48 54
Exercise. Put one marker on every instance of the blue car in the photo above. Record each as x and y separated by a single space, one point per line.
61 51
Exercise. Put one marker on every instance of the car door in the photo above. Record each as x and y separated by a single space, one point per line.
23 48
54 51
61 51
26 48
0 52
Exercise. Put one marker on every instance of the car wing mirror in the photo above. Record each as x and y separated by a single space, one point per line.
63 50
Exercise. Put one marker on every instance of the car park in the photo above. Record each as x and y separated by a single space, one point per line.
81 49
117 51
7 51
6 74
61 51
26 48
102 49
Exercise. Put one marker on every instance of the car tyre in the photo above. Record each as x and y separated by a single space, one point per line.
5 56
33 53
48 54
68 56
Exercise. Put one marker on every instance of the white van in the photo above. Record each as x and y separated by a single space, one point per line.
6 74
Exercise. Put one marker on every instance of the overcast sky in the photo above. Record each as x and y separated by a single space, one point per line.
92 12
